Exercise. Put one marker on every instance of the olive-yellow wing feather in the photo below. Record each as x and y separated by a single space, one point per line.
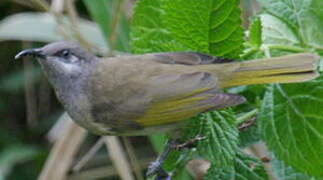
183 96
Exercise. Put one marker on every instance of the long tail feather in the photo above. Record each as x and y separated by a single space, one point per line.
286 69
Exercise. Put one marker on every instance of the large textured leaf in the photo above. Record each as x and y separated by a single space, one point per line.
148 32
222 140
303 17
172 25
245 168
285 172
275 31
209 26
291 114
42 27
291 121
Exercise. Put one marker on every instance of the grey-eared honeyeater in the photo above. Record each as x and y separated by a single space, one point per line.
157 92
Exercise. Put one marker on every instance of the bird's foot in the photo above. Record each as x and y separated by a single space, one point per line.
155 168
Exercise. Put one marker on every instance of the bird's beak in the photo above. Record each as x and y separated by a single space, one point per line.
30 52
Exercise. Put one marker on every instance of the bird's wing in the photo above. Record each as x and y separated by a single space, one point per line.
187 58
178 97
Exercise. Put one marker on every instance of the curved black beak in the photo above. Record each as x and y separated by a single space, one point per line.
30 52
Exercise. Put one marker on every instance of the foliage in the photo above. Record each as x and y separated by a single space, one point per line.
290 116
214 27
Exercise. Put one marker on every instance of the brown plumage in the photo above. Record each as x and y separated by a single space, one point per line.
144 94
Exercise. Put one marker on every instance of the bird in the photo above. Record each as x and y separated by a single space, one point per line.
150 93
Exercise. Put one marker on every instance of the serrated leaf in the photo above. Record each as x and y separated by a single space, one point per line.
291 120
255 33
42 27
208 26
173 25
245 168
148 33
221 143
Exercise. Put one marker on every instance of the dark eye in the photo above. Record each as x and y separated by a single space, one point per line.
66 53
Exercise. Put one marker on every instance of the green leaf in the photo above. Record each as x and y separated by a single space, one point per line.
211 26
173 25
276 31
285 172
221 143
255 33
42 27
303 17
291 120
245 168
148 33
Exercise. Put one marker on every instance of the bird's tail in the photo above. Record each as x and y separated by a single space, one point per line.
285 69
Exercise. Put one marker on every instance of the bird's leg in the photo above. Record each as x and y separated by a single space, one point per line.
156 166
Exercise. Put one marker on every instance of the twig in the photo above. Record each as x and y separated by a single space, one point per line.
30 90
247 116
247 124
101 172
88 155
118 157
133 158
61 155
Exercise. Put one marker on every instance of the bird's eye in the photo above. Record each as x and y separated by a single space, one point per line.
66 53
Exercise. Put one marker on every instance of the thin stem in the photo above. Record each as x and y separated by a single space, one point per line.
85 159
249 52
63 152
118 157
246 116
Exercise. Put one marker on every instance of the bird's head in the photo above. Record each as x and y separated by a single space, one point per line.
62 59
